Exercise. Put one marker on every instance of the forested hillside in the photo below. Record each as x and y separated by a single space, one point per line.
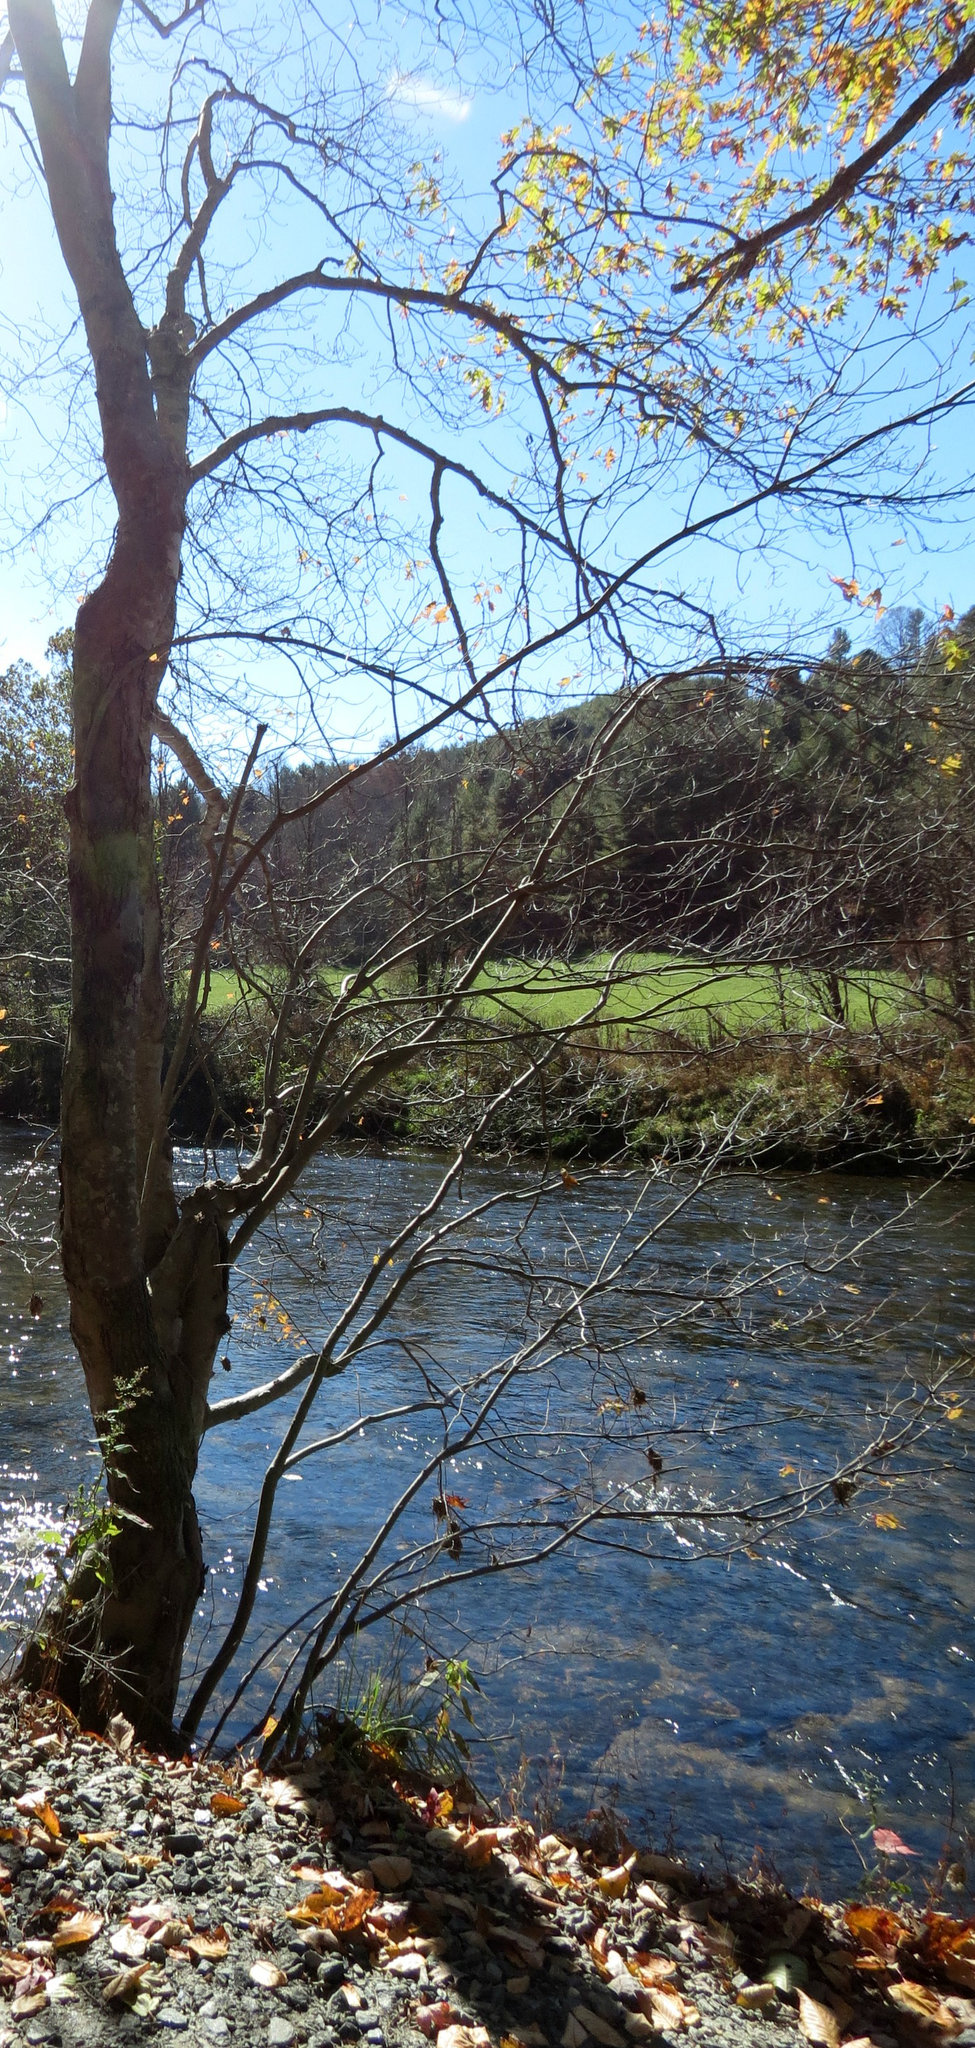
813 821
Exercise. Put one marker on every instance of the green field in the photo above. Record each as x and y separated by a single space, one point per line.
645 994
654 992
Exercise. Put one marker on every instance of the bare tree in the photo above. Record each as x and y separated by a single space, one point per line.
258 421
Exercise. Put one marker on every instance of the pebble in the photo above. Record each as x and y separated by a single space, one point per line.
280 2034
539 1986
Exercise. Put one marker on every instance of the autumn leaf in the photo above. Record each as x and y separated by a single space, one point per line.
312 1909
13 1966
924 2004
671 2008
128 1944
224 1804
267 1974
29 2002
40 1809
876 1929
613 1882
884 1839
816 2022
81 1928
210 1948
653 1970
887 1522
125 1983
949 1945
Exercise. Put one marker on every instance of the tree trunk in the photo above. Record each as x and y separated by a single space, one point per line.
147 1283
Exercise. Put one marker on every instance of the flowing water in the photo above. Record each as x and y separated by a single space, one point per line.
785 1699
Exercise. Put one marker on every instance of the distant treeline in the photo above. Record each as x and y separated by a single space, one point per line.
810 815
820 813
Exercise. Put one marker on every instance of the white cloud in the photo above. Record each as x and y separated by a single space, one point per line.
429 97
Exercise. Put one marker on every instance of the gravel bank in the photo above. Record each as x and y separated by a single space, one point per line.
147 1899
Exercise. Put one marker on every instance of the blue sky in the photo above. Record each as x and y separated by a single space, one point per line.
776 583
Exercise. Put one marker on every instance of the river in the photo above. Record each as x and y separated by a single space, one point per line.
778 1703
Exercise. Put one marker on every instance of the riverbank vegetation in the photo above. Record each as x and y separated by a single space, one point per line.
378 457
798 839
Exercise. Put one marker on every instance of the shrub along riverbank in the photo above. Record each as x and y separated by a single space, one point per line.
666 1059
834 1098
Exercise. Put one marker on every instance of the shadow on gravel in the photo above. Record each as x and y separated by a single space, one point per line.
147 1899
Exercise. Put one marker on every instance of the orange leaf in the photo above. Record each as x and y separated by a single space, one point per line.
224 1804
212 1947
81 1928
876 1929
126 1983
40 1809
924 2005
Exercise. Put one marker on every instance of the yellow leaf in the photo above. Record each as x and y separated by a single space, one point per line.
784 1471
613 1882
887 1522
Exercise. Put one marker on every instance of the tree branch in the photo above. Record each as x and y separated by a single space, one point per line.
738 261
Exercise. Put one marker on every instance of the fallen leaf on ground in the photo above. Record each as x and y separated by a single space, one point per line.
949 1945
657 1969
210 1947
40 1809
158 1922
61 1990
283 1793
223 1804
924 2005
13 1966
391 1871
120 1733
463 2037
876 1929
432 2019
81 1927
613 1883
125 1984
128 1944
817 2022
316 1904
29 2003
266 1973
670 2008
756 1997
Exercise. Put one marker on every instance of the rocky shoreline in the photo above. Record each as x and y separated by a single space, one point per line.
146 1899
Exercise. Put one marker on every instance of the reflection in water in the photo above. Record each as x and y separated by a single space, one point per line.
741 1703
